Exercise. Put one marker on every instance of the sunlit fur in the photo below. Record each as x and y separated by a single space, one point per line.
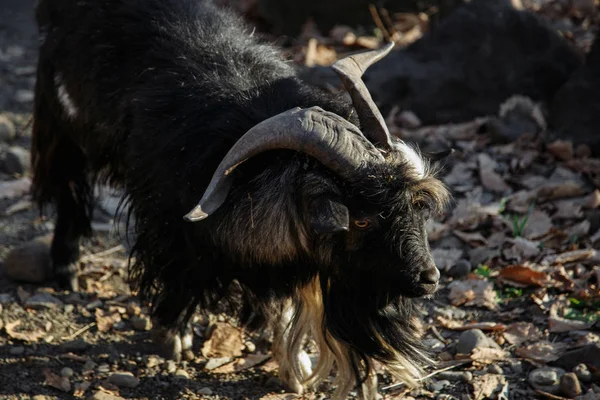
162 89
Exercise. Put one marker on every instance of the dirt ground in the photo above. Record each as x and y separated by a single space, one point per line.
526 276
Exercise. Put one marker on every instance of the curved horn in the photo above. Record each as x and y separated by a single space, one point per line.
335 142
350 70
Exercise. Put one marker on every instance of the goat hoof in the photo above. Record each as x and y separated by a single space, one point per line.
173 344
66 277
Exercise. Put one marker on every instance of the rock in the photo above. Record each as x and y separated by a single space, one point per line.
516 367
7 129
66 372
583 373
40 397
75 346
590 395
438 386
100 395
188 355
569 385
456 376
141 323
89 366
180 373
588 355
103 368
30 262
16 160
170 366
206 391
17 350
24 96
124 379
93 305
546 379
434 344
495 369
461 268
473 338
154 361
216 362
43 301
250 347
69 308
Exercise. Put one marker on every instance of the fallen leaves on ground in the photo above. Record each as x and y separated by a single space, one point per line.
224 341
542 351
56 381
523 275
486 385
473 292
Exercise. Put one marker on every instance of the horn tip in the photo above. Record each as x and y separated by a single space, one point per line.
197 214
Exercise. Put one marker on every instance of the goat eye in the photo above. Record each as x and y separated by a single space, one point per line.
362 223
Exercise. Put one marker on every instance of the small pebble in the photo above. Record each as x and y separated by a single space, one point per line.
188 355
124 379
66 372
569 385
461 268
69 308
16 160
443 396
154 361
100 395
103 368
74 346
43 301
180 373
495 369
546 379
170 366
472 339
93 305
141 323
17 350
40 397
445 356
89 365
516 367
250 347
205 391
7 129
456 376
583 373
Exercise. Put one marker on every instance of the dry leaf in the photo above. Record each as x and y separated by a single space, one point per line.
224 341
15 188
485 385
492 181
557 324
57 382
242 364
33 336
521 332
474 239
461 326
523 275
445 258
542 351
553 191
538 224
486 355
473 292
571 256
521 248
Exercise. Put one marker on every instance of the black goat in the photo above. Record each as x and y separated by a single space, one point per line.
323 231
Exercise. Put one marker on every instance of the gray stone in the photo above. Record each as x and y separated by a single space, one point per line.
16 160
89 366
43 301
124 379
438 386
250 347
216 362
495 369
583 373
103 368
456 376
66 372
17 350
170 366
7 129
569 385
69 308
93 305
141 323
461 268
180 373
516 367
206 391
590 395
472 339
546 379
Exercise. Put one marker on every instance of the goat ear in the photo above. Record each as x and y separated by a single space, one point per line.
438 156
329 216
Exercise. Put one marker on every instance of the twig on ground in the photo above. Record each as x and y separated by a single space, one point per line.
434 373
79 332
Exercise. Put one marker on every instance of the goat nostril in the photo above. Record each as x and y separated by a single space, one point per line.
430 275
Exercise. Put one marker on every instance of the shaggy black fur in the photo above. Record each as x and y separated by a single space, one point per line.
160 90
